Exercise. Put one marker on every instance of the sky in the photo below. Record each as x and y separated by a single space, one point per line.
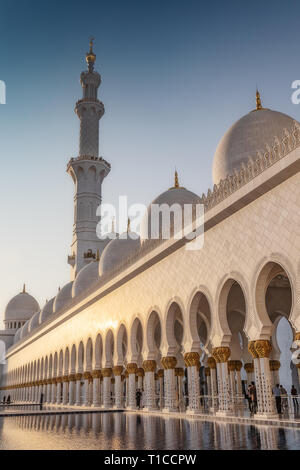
175 76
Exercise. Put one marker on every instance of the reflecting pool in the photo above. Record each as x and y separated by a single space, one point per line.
113 431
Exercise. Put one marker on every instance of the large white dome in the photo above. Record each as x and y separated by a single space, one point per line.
20 308
153 225
246 137
117 250
85 278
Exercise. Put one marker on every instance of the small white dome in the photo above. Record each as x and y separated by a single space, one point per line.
21 308
117 250
246 137
152 221
63 297
85 278
24 330
47 310
17 336
34 321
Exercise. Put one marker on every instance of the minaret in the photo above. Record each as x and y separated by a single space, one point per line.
87 171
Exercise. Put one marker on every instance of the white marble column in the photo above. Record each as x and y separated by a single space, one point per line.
149 367
53 390
132 370
192 363
58 390
160 374
170 400
78 378
117 370
213 382
106 373
96 374
87 380
221 356
65 390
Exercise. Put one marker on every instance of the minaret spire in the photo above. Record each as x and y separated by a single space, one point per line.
88 171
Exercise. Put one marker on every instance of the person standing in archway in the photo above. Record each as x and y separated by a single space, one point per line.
277 394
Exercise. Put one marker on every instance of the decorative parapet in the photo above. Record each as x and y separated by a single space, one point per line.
88 157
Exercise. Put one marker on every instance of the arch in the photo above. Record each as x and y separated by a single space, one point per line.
136 341
89 355
98 352
174 328
109 348
80 358
121 345
67 361
73 359
154 335
200 319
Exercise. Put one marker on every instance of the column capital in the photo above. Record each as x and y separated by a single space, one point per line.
87 375
96 374
297 336
207 371
169 362
274 365
113 380
211 362
251 349
249 367
179 371
191 359
149 366
231 366
72 377
78 376
160 373
263 348
221 354
238 365
132 368
106 372
140 372
117 370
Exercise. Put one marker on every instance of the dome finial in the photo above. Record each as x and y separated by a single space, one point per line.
128 225
90 56
176 181
98 255
24 289
258 100
113 229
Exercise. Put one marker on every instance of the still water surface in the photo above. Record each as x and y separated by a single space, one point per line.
113 431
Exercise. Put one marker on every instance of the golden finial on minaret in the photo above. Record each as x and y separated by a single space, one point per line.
128 225
24 289
90 56
258 101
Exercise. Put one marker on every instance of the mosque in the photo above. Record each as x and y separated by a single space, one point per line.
185 326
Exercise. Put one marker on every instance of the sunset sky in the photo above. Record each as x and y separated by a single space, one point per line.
175 76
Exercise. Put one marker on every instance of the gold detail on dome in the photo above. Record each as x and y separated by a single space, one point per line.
176 181
258 102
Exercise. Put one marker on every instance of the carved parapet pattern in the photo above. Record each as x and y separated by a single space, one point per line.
263 348
191 359
117 370
169 362
149 366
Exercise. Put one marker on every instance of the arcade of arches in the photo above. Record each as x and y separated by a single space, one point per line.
171 357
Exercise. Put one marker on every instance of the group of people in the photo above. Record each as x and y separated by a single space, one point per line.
280 394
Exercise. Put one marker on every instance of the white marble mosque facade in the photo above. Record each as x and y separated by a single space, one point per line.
155 315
